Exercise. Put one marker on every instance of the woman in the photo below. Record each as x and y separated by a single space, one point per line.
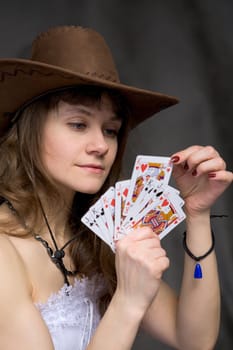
64 120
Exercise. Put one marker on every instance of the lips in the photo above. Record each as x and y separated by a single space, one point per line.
92 168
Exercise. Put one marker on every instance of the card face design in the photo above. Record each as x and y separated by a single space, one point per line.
161 216
121 192
145 168
108 205
91 223
145 199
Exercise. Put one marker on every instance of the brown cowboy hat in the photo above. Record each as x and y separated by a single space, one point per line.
63 57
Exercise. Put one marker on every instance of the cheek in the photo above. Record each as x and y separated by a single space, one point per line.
114 152
55 148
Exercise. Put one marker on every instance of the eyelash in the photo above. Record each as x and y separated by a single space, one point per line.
112 132
108 131
77 125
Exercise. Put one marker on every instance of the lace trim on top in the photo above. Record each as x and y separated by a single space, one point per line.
74 306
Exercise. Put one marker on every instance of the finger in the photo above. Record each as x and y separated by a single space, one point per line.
151 247
148 244
155 264
145 255
208 166
142 233
222 176
161 264
144 237
181 156
140 246
150 257
197 155
203 155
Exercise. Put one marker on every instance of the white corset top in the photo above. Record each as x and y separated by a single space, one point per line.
72 315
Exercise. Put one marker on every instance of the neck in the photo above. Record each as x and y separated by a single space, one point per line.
55 220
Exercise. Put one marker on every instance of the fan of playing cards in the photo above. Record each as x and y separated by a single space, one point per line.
144 200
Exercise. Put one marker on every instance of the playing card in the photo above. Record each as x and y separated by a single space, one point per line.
91 223
97 211
162 216
173 193
121 191
108 200
144 200
152 188
145 168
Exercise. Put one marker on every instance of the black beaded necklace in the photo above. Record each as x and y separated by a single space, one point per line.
56 255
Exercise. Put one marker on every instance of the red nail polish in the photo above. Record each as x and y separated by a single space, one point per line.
211 175
175 159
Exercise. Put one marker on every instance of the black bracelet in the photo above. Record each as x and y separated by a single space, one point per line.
198 270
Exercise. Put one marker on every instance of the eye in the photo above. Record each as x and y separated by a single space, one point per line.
111 132
77 125
112 128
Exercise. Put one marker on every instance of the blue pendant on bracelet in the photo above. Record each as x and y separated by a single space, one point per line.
198 271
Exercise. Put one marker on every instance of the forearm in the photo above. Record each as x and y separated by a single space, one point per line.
140 262
118 327
199 303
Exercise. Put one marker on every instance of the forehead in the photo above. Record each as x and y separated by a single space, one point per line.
104 106
92 97
87 104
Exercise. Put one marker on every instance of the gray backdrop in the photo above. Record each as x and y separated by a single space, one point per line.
181 47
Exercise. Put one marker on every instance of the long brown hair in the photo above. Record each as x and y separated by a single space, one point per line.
22 176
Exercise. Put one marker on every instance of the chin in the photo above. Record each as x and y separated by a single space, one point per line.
88 187
88 190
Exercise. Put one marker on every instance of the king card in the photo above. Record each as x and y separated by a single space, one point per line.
145 168
121 192
162 216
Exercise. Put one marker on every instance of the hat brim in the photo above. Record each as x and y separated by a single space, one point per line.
22 80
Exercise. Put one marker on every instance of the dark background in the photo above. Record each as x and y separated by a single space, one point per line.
183 48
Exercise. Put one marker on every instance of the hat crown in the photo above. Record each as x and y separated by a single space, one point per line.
77 49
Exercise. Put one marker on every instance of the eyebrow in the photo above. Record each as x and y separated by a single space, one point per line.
88 113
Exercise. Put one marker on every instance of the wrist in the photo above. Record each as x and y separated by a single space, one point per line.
198 233
193 210
198 258
127 307
198 219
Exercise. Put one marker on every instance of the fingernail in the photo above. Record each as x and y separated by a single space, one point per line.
211 175
194 173
186 166
175 159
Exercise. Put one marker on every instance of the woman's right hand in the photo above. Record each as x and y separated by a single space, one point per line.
140 263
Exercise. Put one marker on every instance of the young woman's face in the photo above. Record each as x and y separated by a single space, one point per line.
79 145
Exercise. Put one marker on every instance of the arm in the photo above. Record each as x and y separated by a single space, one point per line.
21 326
140 261
192 321
199 308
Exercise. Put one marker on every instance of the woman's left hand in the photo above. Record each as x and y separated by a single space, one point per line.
201 176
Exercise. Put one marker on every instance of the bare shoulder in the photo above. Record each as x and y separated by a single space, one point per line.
19 318
15 283
12 268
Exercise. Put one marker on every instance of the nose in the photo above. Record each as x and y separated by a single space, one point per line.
97 143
